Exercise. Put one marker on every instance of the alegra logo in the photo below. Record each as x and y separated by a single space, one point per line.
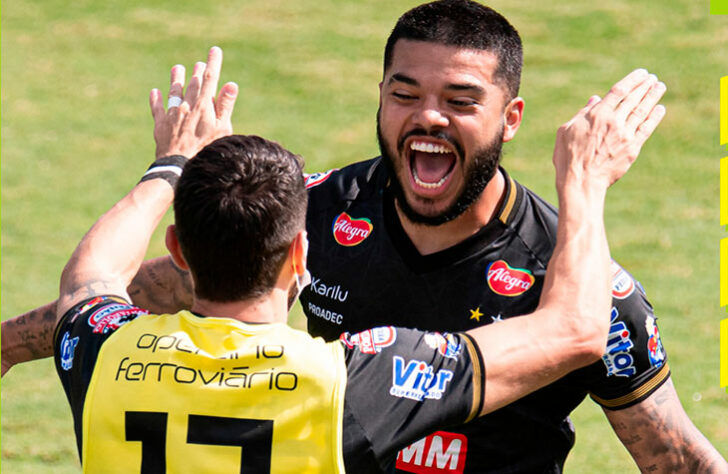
507 281
350 232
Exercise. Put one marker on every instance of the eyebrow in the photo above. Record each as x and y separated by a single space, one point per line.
466 87
476 89
397 77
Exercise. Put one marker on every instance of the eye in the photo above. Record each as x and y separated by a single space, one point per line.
463 102
403 96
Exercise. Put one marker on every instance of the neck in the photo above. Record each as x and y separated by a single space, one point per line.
269 308
432 239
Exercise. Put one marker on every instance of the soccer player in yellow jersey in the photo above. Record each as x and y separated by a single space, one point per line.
228 386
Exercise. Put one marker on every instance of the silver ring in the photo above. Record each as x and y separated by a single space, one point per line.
174 101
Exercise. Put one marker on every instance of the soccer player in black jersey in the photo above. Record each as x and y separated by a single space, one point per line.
435 228
227 386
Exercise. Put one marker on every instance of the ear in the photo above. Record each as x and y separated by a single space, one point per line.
380 93
170 239
512 116
299 252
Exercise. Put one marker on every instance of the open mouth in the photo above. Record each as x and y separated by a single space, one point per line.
431 164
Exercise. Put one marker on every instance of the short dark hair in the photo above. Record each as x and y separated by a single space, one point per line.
238 206
465 24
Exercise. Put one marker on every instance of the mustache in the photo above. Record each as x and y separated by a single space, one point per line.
438 134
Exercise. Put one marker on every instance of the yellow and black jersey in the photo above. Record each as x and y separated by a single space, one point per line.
366 272
186 393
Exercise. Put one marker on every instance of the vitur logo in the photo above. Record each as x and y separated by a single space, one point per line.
417 380
350 232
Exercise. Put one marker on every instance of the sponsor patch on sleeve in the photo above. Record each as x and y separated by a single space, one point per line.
111 317
654 342
622 284
418 380
68 349
617 357
312 180
92 303
446 344
370 341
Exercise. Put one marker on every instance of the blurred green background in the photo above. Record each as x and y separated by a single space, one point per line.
76 135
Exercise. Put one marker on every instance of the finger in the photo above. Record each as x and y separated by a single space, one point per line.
226 101
212 73
644 131
620 90
193 88
155 104
593 100
645 107
632 101
176 82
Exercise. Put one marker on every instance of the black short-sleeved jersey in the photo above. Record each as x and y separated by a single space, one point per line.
365 271
153 392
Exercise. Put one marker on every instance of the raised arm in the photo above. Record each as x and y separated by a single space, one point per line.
107 259
569 328
159 285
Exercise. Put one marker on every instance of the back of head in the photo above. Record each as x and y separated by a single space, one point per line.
464 24
238 206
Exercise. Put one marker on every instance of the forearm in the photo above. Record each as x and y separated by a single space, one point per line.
661 437
28 336
110 254
578 278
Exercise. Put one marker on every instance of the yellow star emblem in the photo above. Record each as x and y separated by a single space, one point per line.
476 314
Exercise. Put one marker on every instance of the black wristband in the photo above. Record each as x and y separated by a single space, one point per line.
168 168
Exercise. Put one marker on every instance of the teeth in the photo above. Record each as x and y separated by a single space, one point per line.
429 147
428 185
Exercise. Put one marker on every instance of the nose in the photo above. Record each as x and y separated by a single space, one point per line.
430 116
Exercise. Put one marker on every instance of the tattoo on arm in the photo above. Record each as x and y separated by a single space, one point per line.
28 336
661 438
84 289
161 287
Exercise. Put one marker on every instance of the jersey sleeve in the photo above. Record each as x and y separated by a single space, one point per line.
634 363
403 384
77 341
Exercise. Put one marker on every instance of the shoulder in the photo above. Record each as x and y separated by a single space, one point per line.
349 183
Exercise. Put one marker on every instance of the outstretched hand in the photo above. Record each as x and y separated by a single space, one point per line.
194 117
599 144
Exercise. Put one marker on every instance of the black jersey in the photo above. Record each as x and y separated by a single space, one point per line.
366 272
154 390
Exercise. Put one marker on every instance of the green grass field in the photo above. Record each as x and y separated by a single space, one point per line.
76 135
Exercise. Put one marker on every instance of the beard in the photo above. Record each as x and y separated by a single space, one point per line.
476 175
